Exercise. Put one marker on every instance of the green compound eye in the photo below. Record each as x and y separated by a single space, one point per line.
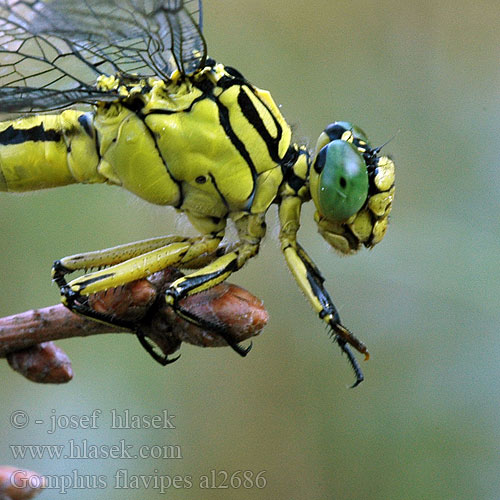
343 180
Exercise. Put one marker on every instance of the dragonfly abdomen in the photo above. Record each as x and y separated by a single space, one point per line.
45 151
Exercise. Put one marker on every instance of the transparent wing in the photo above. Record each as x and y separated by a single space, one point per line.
148 37
51 52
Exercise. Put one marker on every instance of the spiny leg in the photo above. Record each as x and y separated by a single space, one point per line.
251 229
107 257
206 277
309 277
329 312
311 282
127 263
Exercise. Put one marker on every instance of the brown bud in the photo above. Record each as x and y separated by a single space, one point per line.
237 311
130 301
44 363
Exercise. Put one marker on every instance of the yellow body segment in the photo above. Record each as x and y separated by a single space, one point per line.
47 151
130 158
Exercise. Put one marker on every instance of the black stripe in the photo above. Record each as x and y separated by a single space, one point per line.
321 294
311 267
235 74
294 181
253 117
170 111
287 167
315 280
12 135
84 121
97 141
225 82
84 284
143 117
165 164
192 282
237 143
212 178
275 120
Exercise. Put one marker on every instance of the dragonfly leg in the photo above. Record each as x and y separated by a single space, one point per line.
127 263
311 281
130 262
149 347
352 360
251 229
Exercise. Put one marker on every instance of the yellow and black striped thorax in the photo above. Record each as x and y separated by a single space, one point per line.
219 144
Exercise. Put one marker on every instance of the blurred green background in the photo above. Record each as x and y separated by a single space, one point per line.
425 423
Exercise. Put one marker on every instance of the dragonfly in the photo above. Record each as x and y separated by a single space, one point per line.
123 92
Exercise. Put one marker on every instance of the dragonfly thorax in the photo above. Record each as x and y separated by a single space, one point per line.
209 144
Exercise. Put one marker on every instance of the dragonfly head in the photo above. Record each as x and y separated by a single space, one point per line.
352 187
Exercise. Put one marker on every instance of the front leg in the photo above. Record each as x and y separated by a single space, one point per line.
311 281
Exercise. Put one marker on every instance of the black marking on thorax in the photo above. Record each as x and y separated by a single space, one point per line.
236 141
85 120
289 175
252 115
178 183
225 82
222 197
85 123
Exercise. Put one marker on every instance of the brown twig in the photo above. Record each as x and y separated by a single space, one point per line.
240 313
